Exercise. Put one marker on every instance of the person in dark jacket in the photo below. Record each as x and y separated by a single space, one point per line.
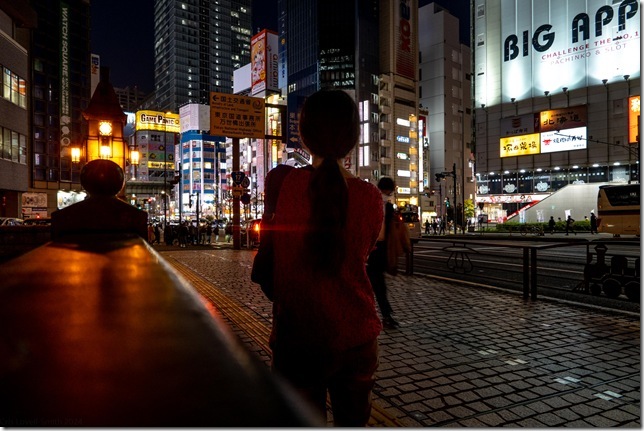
377 262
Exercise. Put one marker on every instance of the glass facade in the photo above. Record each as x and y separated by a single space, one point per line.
60 90
207 40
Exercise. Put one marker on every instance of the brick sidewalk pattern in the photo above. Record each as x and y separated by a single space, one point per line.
464 356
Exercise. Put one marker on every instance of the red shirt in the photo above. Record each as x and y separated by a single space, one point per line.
324 312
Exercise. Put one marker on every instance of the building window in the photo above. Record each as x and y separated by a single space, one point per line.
14 88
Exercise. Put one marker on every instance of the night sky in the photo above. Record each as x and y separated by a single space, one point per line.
122 33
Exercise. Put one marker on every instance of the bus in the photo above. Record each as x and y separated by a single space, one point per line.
618 208
412 221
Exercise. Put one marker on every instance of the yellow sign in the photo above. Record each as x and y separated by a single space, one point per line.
522 145
160 121
237 116
564 118
633 119
159 165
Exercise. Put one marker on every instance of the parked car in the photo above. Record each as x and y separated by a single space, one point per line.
38 221
10 221
250 232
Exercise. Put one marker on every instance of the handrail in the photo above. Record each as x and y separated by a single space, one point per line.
97 329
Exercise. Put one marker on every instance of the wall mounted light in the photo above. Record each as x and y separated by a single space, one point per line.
76 153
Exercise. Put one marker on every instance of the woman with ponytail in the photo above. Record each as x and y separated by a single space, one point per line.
326 221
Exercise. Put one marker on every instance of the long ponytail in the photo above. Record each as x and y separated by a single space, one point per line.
329 126
329 198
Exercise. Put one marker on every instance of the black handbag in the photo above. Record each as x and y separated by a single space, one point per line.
263 268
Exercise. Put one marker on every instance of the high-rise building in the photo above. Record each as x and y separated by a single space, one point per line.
16 21
130 98
197 46
336 44
60 91
399 156
445 92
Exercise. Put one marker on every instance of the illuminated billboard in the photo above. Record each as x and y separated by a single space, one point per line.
159 121
633 119
405 49
564 118
264 62
521 145
536 46
564 140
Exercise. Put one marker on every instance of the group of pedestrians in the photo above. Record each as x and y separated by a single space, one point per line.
437 226
570 224
327 223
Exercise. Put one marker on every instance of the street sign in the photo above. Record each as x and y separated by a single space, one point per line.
237 116
245 182
237 191
238 177
245 199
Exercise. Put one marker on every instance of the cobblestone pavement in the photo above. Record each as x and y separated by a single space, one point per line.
464 356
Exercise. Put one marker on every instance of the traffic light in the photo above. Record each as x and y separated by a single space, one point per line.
439 177
177 177
446 202
190 201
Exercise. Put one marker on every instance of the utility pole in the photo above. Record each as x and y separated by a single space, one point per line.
454 175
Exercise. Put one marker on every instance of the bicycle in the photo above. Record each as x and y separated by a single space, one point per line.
532 230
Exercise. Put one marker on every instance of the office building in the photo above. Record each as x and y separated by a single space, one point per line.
197 46
557 96
397 97
16 22
60 92
445 94
333 44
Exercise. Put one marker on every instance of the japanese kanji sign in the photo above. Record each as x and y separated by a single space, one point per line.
237 116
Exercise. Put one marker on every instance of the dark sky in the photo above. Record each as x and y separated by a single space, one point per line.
122 33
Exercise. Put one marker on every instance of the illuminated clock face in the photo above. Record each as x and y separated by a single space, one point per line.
105 128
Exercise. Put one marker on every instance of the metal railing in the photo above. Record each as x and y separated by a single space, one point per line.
98 330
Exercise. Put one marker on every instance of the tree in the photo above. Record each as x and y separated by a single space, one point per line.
469 208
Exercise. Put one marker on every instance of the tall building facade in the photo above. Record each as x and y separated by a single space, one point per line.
557 96
16 22
445 88
60 91
399 158
333 44
197 46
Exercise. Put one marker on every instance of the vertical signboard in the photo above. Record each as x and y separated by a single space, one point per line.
633 119
264 62
65 99
294 103
95 67
405 48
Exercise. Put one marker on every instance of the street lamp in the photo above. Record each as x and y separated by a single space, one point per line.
165 168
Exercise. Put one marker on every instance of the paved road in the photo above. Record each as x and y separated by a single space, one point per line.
464 356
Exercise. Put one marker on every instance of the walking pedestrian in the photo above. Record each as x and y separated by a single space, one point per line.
209 233
593 223
150 233
569 225
325 323
377 262
157 234
551 225
183 234
427 226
